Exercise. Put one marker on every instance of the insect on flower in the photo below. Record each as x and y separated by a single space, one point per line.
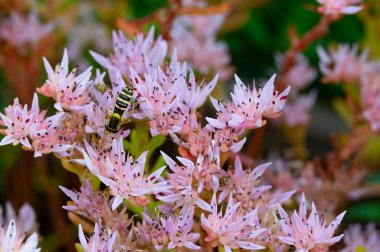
123 101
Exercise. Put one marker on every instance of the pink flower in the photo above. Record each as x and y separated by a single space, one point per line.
242 184
373 115
195 39
280 176
142 55
206 167
96 157
13 240
179 227
168 230
227 139
20 31
151 232
125 178
86 202
162 106
181 180
269 200
18 121
203 169
96 34
103 239
96 206
52 135
192 93
67 89
197 142
267 205
169 97
231 229
370 84
248 107
342 64
308 234
47 134
301 74
355 238
297 113
336 8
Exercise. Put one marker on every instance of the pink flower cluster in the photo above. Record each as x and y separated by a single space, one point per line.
195 39
248 107
336 8
370 93
34 130
201 202
296 112
355 238
340 65
20 31
300 75
344 64
142 54
308 233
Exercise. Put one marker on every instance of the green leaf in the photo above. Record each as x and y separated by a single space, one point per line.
373 177
95 181
343 111
140 141
159 163
371 22
154 144
73 167
139 210
367 211
369 154
353 91
54 241
139 138
134 209
142 8
153 205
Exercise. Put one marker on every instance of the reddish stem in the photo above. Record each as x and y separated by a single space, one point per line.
298 45
255 142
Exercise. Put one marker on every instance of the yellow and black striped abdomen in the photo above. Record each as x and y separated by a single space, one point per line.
123 100
113 123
